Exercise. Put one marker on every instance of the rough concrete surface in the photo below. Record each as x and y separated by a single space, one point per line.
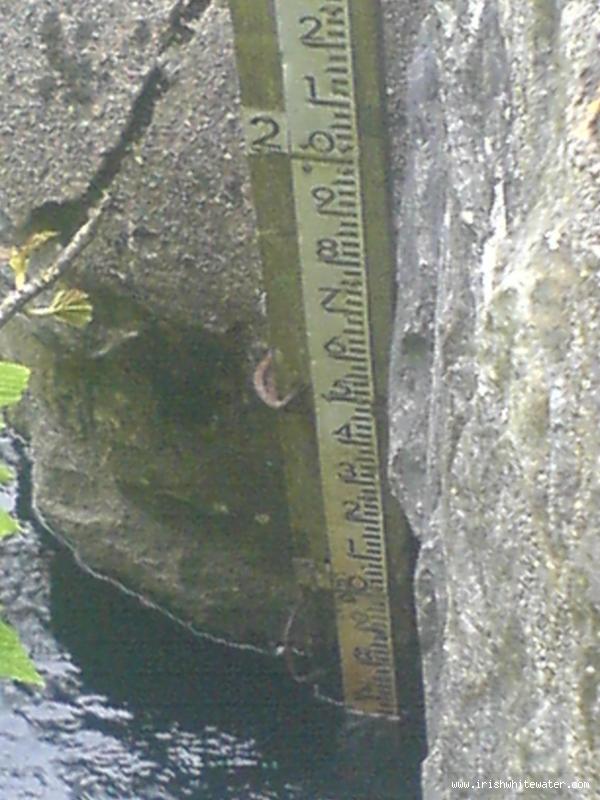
70 73
151 453
495 391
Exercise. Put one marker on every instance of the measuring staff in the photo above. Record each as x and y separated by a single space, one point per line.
313 111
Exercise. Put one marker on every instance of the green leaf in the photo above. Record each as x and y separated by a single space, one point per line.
6 473
15 664
68 305
13 381
19 257
8 524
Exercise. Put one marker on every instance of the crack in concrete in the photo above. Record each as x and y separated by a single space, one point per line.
68 216
178 32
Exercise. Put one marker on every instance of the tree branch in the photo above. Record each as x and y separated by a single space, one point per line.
18 298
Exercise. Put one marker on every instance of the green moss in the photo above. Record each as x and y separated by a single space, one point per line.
546 18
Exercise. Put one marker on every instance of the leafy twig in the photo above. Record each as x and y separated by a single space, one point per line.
18 298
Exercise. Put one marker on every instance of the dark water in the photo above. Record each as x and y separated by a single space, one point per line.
137 708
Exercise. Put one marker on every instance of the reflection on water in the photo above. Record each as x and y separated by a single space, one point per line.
136 708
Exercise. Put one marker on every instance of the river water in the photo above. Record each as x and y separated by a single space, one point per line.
136 707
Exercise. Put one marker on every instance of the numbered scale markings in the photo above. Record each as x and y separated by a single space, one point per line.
319 133
324 143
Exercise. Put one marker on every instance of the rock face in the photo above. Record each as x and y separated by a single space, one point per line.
151 452
496 388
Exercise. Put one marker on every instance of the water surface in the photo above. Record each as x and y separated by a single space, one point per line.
138 708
